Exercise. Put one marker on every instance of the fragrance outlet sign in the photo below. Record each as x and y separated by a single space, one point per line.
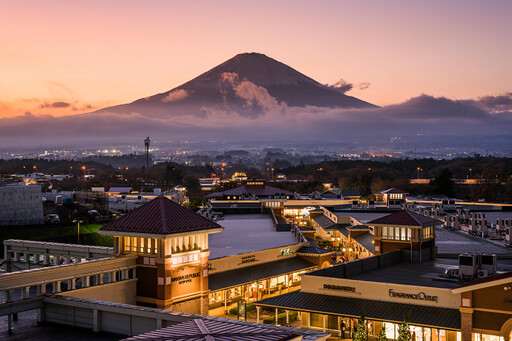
421 296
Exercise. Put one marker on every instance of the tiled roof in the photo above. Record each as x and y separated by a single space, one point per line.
366 241
199 330
358 227
253 273
313 250
405 218
161 216
257 191
380 310
392 190
350 193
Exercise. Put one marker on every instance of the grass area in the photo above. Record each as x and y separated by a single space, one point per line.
58 234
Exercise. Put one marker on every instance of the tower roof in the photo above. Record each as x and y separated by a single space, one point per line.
160 216
405 218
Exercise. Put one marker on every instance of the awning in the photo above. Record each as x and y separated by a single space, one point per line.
374 310
249 274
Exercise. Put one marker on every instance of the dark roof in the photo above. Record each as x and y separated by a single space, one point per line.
405 218
161 216
262 191
328 224
379 310
199 330
350 193
252 273
313 250
366 241
358 227
487 279
306 229
392 190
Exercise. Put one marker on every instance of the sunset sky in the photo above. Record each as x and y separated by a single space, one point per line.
68 57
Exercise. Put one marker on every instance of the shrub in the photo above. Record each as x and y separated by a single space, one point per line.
281 318
248 308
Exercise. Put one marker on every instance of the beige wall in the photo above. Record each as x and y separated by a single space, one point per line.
251 258
379 291
117 292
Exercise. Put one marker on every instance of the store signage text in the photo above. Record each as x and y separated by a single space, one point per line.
419 296
339 288
248 259
185 278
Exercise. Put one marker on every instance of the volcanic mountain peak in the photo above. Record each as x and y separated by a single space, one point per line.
249 84
259 69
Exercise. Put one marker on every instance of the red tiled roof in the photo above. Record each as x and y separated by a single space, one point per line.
257 191
405 218
161 216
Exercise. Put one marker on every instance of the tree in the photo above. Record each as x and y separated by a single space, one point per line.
361 333
404 334
382 335
443 183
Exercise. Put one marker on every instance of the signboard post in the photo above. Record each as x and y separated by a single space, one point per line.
241 310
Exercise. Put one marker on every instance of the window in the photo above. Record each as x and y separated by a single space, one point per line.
141 245
427 232
127 244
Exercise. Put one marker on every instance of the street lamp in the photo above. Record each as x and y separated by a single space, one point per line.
78 230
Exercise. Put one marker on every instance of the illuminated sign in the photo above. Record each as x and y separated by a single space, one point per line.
419 296
339 288
285 252
185 278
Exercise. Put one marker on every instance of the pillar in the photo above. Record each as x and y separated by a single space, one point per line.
466 324
258 314
16 257
287 317
96 321
101 278
158 323
72 284
56 287
9 323
276 316
45 259
25 292
42 289
225 302
323 322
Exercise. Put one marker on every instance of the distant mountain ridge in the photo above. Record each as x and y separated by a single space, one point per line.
249 83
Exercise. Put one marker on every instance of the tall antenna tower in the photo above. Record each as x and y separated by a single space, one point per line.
146 144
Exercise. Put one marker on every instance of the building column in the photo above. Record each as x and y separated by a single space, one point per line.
258 314
96 321
42 289
45 259
287 317
466 324
101 278
72 284
56 287
9 323
25 292
225 302
323 322
16 256
277 312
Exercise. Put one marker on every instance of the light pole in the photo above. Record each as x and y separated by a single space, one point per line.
78 230
418 171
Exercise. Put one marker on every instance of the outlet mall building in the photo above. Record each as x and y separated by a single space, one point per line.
388 287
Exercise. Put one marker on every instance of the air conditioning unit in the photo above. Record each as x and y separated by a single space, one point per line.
483 273
468 266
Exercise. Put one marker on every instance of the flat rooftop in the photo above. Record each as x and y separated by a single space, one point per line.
244 233
450 242
401 271
362 217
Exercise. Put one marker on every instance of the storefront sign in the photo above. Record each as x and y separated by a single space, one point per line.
339 288
185 278
248 259
421 296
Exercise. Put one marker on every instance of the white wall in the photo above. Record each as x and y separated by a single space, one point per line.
21 204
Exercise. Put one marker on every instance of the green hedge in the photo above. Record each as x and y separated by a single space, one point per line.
281 318
248 308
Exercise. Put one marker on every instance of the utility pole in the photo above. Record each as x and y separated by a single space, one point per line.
146 144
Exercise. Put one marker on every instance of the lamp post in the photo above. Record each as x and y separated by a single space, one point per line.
78 230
